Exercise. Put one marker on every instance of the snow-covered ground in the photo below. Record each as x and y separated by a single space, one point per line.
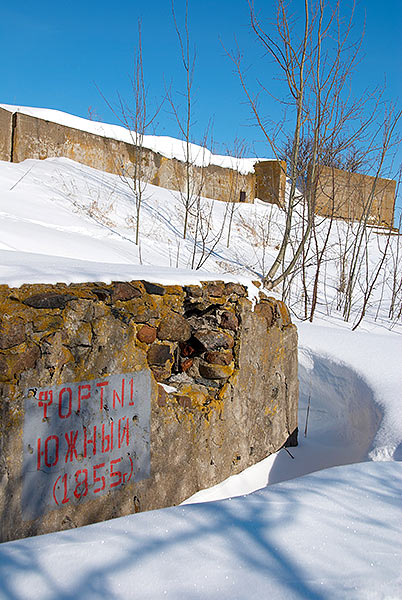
335 533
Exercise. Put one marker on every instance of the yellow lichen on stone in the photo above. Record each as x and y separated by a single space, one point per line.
271 410
284 313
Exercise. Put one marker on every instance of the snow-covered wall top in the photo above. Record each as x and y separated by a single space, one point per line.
165 145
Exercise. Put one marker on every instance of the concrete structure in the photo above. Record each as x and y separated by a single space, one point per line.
6 128
339 193
270 181
87 430
351 196
40 139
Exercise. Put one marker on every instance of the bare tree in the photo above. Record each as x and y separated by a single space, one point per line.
189 194
396 274
239 150
136 118
316 58
359 246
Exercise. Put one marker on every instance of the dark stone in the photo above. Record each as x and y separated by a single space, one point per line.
103 294
194 291
153 288
229 321
48 300
210 371
219 358
174 328
214 340
125 291
12 333
216 289
159 354
147 334
266 310
162 396
236 288
184 401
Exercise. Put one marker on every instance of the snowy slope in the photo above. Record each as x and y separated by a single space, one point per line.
62 221
333 534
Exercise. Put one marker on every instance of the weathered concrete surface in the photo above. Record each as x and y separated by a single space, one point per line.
40 139
6 118
352 195
339 193
233 371
270 176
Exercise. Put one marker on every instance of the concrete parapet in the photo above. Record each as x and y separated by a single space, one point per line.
339 193
40 139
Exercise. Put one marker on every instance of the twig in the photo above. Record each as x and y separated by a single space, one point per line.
307 414
21 178
290 454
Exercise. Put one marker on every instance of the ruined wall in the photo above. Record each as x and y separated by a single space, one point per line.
271 181
87 430
346 195
40 139
5 134
339 193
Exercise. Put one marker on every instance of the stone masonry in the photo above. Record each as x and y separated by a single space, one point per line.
132 396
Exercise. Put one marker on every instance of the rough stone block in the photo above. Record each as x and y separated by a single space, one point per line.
215 371
70 363
174 328
214 340
147 334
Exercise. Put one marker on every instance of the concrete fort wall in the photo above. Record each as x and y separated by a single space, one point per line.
40 139
6 127
271 181
88 432
351 195
339 193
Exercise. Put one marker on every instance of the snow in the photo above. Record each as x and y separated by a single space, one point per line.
165 145
322 521
333 534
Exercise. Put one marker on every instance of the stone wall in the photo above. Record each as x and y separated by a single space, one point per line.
347 195
88 432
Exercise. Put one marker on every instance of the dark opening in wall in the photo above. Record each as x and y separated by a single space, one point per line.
242 196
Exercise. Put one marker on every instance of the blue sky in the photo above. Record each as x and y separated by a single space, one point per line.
56 54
